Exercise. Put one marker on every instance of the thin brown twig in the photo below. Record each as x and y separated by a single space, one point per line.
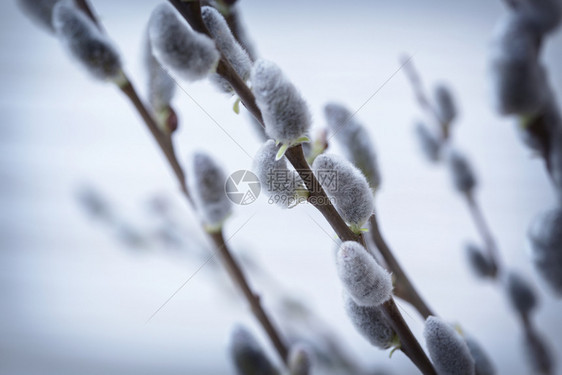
403 286
485 232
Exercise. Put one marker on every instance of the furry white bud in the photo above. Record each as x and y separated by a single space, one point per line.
285 113
300 360
545 237
355 141
206 184
247 355
362 277
520 293
346 187
86 43
462 176
176 46
39 11
445 104
480 264
370 323
161 87
429 142
482 361
227 45
282 185
447 349
538 354
518 78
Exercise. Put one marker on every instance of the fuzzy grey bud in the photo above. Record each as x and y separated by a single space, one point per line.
282 185
86 43
355 141
429 142
445 104
186 52
545 237
206 182
300 360
482 361
346 186
447 349
544 15
248 356
285 113
363 278
480 263
161 87
520 293
229 47
370 323
538 354
462 175
518 78
39 11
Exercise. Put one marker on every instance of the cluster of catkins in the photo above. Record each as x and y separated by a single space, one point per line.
518 290
522 89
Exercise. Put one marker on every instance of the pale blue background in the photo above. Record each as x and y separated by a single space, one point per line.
75 301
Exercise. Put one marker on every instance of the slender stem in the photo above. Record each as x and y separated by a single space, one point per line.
485 232
404 288
163 141
422 98
235 271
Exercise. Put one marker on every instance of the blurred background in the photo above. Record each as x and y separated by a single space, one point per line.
79 287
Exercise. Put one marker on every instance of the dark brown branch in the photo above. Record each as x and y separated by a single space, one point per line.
403 287
164 142
235 271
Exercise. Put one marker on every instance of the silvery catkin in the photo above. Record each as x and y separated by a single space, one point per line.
362 277
429 142
161 87
176 46
370 323
520 293
346 187
447 349
206 183
445 104
227 45
354 140
39 11
247 355
480 263
462 175
86 43
282 185
518 78
545 238
483 363
285 113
